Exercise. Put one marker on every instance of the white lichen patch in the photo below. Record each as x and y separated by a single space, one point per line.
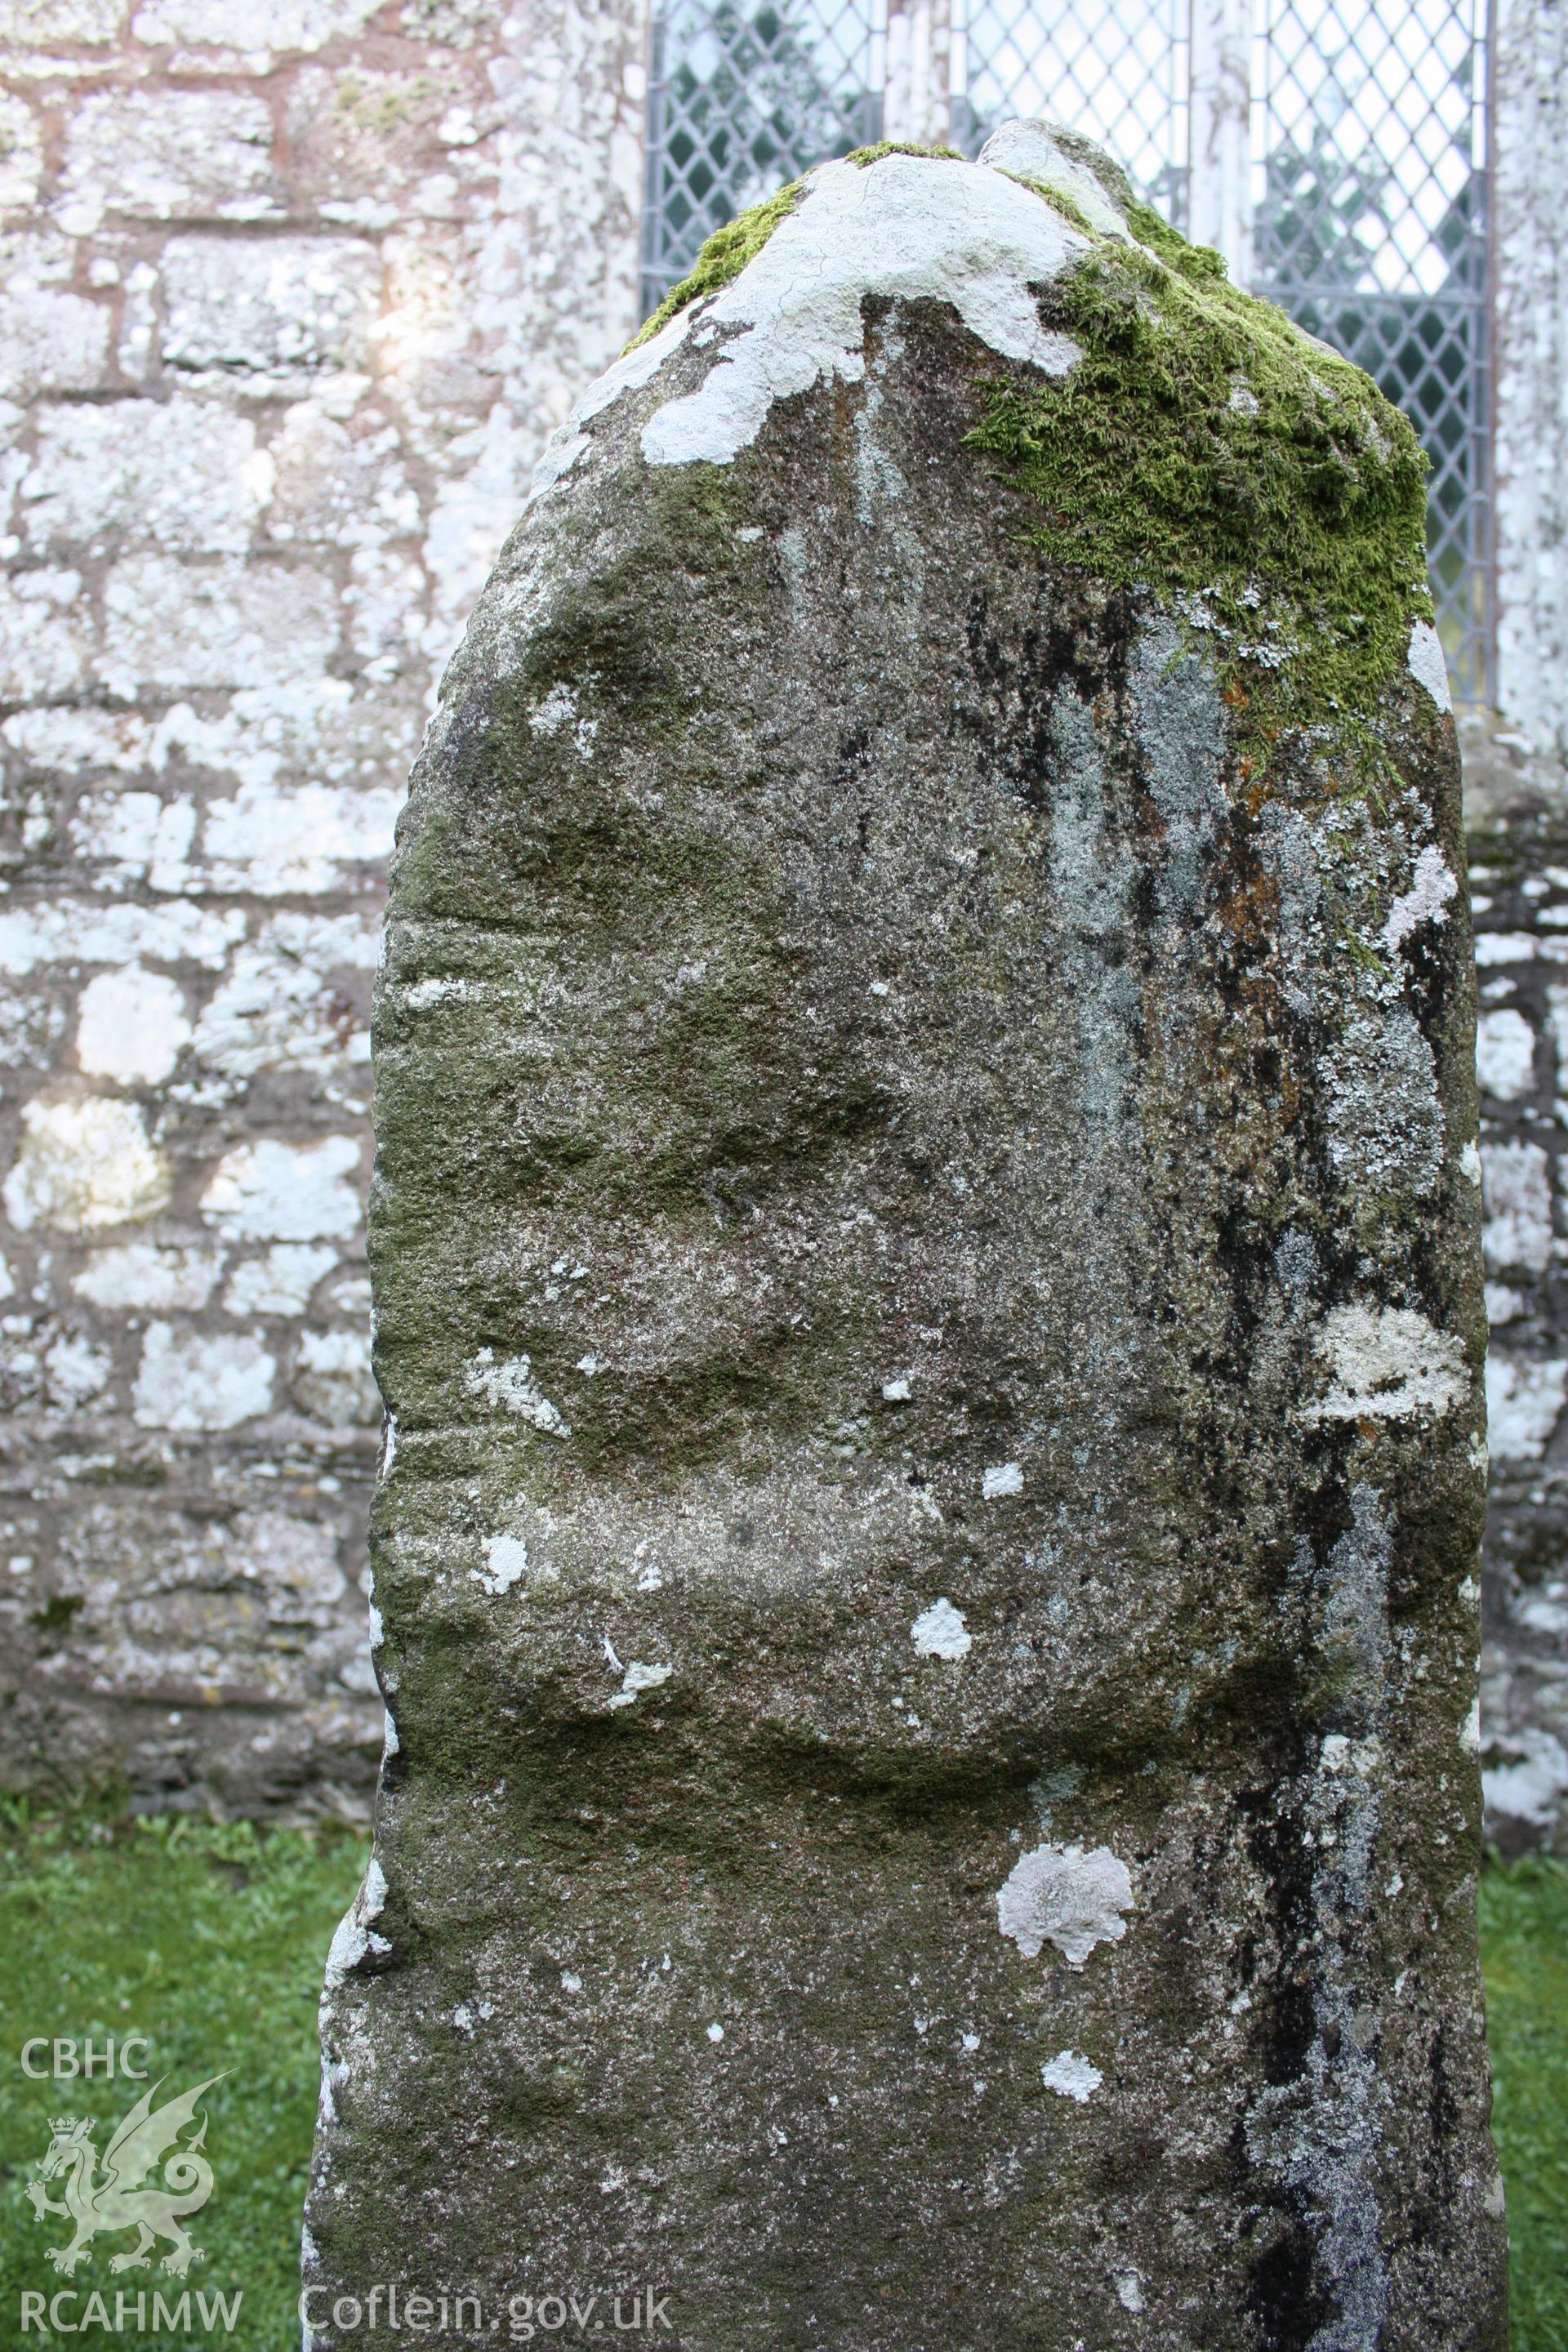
506 1564
63 1374
132 1026
1339 1754
1529 1785
1064 1895
333 1379
1071 2077
1505 1054
940 1631
286 1192
558 710
630 373
511 1387
1517 1183
1525 1395
908 227
139 1276
83 1166
353 1938
280 1282
637 1678
272 1012
1388 1363
1003 1478
1432 885
187 1381
421 994
1385 1122
1470 1730
1426 666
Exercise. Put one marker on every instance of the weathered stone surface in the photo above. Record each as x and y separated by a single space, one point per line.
929 1302
469 176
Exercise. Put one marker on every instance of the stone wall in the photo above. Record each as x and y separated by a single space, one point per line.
281 331
1519 878
1517 795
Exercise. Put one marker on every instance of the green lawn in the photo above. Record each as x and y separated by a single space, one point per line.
1524 1946
210 1940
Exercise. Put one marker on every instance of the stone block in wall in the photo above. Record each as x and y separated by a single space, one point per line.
170 155
175 626
45 646
21 155
184 473
50 341
54 24
172 1625
365 135
283 304
299 25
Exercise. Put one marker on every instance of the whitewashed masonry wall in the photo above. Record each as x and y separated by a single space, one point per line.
291 296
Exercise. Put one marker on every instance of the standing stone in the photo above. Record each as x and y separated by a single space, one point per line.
929 1306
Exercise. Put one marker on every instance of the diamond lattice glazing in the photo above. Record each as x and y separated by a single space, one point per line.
742 98
1369 185
1115 69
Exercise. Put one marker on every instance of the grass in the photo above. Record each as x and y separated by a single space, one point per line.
209 1940
1524 1950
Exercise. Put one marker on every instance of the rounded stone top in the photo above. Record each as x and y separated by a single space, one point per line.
898 223
1160 428
1070 165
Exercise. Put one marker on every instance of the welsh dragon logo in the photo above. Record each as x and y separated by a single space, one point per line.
116 2198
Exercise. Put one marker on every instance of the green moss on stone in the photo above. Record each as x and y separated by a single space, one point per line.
1196 262
865 155
1208 449
724 257
1058 198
